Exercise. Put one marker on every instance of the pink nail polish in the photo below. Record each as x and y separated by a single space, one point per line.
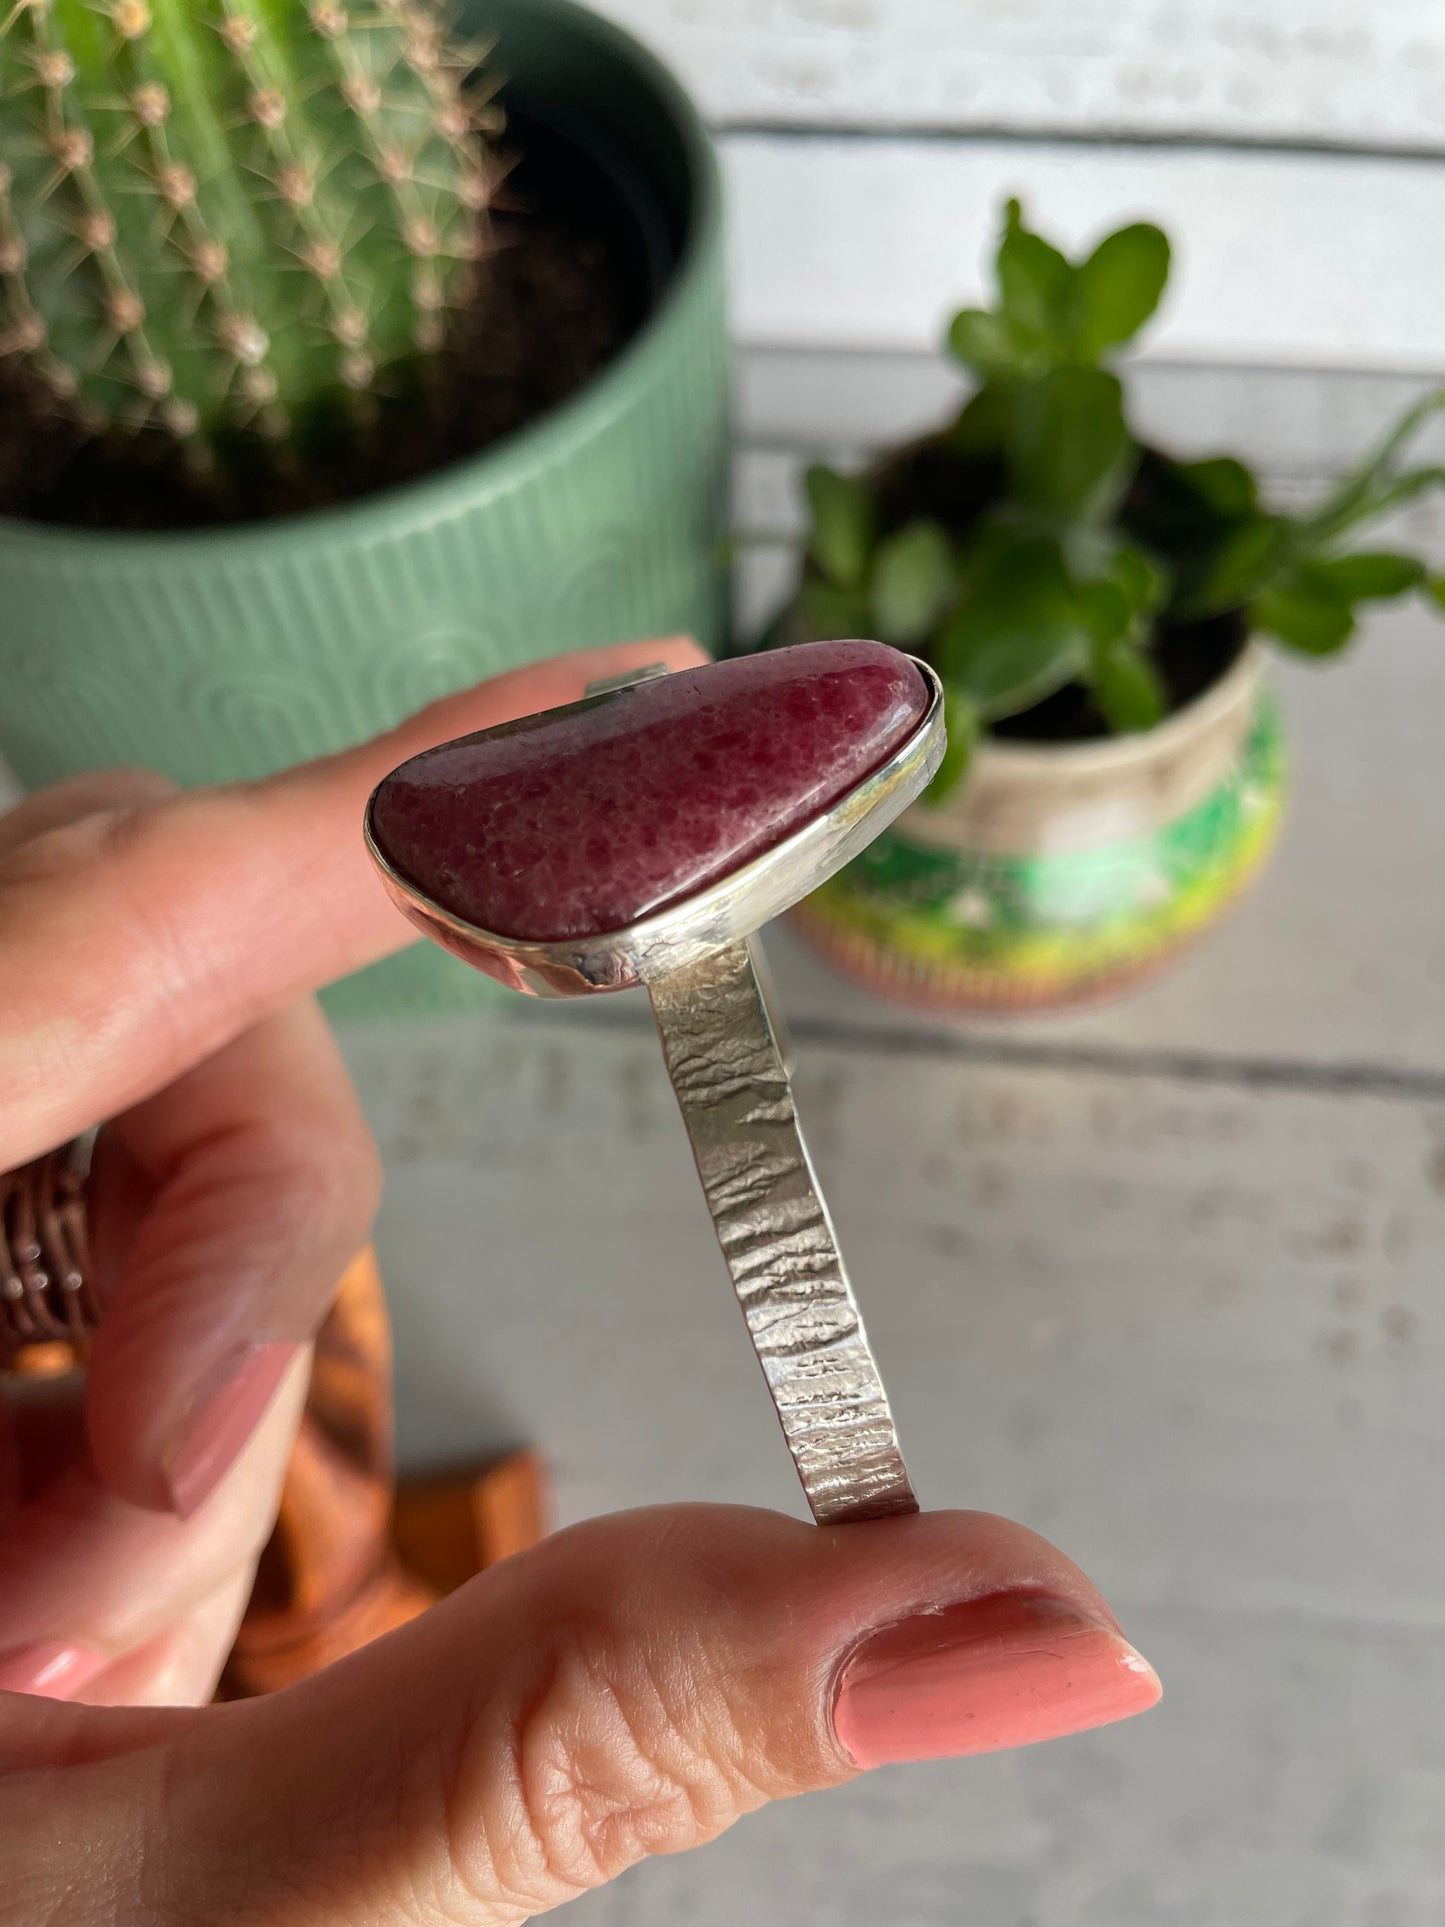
49 1670
1002 1671
226 1411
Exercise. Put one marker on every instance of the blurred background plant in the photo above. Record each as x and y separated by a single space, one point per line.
1034 547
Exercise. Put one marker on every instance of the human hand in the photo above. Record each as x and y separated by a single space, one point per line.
629 1687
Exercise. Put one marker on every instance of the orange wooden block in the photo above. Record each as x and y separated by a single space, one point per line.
352 1557
51 1360
451 1526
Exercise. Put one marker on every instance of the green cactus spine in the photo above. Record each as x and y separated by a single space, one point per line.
231 215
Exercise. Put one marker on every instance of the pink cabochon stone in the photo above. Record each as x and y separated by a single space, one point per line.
573 825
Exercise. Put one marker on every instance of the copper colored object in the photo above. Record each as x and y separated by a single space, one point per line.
450 1526
329 1580
351 1556
47 1291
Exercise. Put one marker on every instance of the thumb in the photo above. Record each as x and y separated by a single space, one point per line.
630 1687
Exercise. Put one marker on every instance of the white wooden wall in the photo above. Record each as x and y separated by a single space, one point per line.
1294 148
1351 72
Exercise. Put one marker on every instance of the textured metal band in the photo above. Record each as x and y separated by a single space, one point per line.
727 1069
47 1289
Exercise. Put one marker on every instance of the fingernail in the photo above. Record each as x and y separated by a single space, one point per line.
1002 1671
225 1413
50 1670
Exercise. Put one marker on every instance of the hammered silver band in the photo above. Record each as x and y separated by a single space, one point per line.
727 1069
727 1055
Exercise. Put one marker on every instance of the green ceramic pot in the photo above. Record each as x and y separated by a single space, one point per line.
1061 873
220 655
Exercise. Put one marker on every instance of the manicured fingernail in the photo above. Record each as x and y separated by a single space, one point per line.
226 1412
1002 1671
50 1670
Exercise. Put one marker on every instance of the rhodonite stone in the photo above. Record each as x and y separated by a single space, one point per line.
573 824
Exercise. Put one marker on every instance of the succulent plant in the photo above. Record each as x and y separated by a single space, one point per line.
1084 551
226 218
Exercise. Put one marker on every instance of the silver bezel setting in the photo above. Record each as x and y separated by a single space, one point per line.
684 932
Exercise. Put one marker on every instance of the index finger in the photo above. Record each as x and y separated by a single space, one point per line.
135 943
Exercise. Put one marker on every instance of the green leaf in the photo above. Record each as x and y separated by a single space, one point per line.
1017 634
1398 491
1038 288
1369 488
1436 591
826 613
1119 287
1106 611
1096 552
1242 564
1140 577
964 726
1088 550
843 525
1365 577
983 421
1368 504
982 342
1070 453
1315 624
1222 484
913 582
1127 688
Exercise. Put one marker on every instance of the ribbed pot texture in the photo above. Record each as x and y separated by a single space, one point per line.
225 654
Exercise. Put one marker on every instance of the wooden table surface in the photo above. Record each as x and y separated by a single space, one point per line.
1161 1280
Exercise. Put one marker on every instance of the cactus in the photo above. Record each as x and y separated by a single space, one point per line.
232 215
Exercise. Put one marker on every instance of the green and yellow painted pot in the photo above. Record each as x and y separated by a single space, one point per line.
1062 873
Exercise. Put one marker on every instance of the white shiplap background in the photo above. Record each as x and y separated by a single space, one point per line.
1337 71
1294 149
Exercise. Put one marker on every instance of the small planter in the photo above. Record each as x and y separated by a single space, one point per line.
1061 873
221 655
1094 608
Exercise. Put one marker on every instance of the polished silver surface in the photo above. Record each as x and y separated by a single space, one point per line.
722 1039
687 932
607 685
777 1238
